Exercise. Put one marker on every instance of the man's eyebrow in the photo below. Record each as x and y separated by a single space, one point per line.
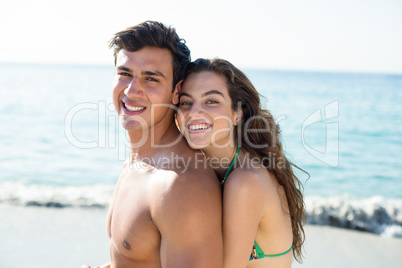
213 91
123 68
155 73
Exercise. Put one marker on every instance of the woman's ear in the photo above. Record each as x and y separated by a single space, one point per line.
176 93
237 117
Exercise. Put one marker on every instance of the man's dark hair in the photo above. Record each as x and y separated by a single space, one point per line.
154 34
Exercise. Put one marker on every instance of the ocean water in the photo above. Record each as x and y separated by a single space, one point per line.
61 145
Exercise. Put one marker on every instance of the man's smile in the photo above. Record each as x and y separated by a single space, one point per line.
132 108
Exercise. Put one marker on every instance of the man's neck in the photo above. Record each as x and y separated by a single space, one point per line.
148 142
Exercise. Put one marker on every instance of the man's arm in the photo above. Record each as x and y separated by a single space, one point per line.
190 222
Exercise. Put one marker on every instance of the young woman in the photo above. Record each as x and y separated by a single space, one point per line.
263 208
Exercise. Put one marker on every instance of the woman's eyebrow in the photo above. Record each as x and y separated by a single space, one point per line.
184 94
213 91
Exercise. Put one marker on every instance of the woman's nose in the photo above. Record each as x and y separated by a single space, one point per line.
195 110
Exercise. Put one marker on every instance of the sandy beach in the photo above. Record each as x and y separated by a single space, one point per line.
334 247
51 237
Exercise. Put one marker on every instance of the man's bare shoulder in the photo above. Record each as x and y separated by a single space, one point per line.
195 180
186 188
190 168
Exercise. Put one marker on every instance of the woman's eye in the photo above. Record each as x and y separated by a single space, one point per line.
185 103
212 102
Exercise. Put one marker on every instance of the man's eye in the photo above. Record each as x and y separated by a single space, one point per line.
152 79
212 102
125 74
185 103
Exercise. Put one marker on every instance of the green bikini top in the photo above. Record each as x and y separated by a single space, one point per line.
256 252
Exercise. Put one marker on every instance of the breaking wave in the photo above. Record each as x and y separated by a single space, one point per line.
376 215
97 196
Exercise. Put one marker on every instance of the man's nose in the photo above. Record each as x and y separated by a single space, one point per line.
134 88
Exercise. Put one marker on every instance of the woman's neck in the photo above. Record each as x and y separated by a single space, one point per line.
220 158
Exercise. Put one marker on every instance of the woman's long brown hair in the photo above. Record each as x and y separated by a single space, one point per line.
265 145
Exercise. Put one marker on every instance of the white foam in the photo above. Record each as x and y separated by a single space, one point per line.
55 196
376 214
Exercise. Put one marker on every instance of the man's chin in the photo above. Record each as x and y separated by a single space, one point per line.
132 125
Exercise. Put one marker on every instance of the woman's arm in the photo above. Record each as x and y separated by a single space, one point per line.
242 211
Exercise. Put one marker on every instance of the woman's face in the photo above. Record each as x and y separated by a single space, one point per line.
205 115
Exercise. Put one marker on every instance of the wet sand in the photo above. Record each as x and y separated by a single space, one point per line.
52 237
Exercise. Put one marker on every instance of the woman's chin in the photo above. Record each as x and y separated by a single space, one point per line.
197 145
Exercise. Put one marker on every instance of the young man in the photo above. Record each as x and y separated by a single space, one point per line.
166 208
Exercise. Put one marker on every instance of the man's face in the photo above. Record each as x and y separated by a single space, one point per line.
142 88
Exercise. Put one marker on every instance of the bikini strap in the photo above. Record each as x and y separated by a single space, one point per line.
231 165
261 254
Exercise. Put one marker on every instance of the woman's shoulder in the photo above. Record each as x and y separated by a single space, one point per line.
251 179
246 188
247 178
251 171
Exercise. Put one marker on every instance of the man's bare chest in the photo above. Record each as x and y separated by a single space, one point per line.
133 232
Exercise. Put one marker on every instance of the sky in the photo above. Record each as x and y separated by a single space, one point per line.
343 35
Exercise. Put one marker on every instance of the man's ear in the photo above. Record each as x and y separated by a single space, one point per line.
176 93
